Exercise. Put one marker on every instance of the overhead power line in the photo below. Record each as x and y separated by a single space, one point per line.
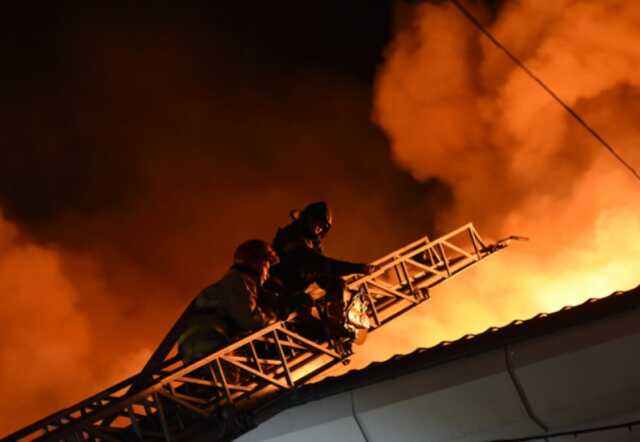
542 84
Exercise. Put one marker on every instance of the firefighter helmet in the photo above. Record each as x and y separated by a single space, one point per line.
319 214
254 253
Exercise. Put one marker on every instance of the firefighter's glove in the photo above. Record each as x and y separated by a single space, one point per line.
368 269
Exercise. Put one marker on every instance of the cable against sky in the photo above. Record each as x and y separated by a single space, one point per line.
466 13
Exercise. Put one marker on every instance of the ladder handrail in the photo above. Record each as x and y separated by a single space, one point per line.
388 299
154 386
411 250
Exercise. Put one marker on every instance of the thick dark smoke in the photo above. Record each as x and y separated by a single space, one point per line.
139 147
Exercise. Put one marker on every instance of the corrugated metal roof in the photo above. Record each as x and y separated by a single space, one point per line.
468 345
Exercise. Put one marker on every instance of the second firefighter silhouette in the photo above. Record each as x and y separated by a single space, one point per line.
302 263
229 308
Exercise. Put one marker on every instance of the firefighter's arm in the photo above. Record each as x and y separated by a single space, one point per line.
318 263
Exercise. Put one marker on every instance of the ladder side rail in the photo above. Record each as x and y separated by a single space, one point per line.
120 405
416 252
402 250
53 419
409 306
291 364
425 241
160 375
94 402
477 237
455 248
398 258
411 284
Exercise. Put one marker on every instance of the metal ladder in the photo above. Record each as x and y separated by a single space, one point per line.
169 400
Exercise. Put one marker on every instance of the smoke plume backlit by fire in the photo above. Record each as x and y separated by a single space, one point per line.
456 108
48 351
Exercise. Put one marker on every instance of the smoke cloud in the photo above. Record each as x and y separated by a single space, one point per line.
456 108
46 334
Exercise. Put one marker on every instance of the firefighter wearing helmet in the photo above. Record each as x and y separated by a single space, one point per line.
303 262
229 308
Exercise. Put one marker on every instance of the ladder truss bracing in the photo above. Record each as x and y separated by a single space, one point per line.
175 398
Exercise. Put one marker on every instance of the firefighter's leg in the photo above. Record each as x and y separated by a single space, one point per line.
334 296
310 327
196 347
333 314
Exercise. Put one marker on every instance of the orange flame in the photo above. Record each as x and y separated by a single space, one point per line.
454 107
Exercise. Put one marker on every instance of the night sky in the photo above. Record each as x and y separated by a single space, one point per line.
111 111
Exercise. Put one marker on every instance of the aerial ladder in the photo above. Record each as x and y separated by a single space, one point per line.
173 401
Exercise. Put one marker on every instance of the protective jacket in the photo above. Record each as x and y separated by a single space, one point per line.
222 312
302 260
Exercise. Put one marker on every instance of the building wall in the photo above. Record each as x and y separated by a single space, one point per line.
580 377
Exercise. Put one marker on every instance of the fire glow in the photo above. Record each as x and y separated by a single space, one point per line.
456 108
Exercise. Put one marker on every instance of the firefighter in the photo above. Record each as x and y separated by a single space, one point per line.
229 309
302 260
